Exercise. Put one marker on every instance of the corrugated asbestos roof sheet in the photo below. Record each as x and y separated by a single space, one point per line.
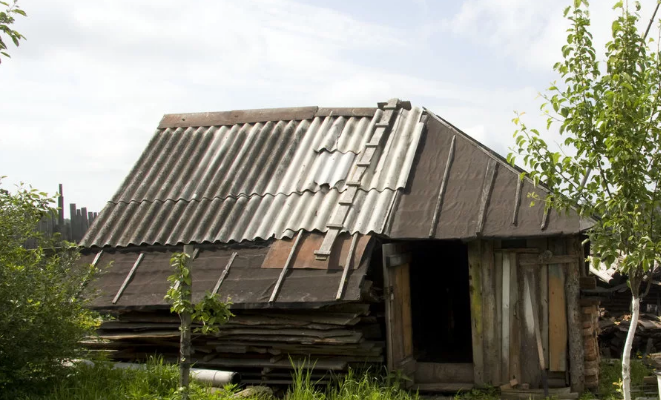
241 175
246 175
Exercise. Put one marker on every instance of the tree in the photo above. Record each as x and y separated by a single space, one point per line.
609 166
7 19
210 312
43 318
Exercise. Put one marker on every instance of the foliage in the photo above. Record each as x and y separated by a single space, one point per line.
7 19
209 311
43 318
610 378
488 393
159 382
610 121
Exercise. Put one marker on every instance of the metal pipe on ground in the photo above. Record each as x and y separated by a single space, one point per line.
211 377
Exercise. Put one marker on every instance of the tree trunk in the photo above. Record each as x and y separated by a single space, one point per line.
626 353
184 354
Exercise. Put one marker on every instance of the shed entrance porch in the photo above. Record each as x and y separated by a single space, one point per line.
428 312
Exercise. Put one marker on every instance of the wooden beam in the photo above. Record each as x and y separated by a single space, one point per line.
487 186
347 266
517 201
557 313
574 321
226 270
534 311
285 268
515 322
475 290
489 321
441 192
128 278
505 323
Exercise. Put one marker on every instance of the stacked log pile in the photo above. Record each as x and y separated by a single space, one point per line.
614 329
263 345
590 319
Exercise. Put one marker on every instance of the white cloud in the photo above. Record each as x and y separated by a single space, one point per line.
82 96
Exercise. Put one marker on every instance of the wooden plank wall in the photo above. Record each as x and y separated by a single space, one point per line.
509 325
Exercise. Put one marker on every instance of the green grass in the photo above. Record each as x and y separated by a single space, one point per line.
159 382
610 377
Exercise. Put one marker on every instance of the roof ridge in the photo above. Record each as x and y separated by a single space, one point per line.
219 118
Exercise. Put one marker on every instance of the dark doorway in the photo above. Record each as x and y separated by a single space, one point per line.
440 302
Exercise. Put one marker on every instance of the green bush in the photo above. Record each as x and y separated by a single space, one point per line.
43 317
610 377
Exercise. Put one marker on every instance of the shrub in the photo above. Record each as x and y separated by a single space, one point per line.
43 317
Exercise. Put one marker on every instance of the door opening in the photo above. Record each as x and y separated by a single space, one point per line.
440 302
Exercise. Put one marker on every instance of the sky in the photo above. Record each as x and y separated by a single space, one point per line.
82 96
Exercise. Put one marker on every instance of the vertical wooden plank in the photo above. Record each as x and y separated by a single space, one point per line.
515 340
505 323
475 289
557 313
498 270
407 326
491 360
60 212
574 321
530 370
543 297
544 311
72 222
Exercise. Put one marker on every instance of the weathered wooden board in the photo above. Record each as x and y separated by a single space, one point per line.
491 333
398 310
475 289
530 371
427 372
505 312
574 320
542 288
515 340
557 315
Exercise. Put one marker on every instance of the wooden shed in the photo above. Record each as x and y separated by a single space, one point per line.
346 237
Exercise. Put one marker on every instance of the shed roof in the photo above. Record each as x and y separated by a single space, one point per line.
255 174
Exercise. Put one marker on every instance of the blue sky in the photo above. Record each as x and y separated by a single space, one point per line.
83 95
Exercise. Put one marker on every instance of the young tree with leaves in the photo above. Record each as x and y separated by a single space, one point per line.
609 164
6 20
210 312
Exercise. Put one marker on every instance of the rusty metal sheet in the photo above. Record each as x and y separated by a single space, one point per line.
304 257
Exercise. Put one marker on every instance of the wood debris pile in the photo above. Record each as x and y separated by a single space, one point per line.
614 328
262 345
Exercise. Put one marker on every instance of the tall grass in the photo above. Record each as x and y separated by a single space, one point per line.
101 382
159 382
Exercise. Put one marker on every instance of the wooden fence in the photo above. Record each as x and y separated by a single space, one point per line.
71 229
